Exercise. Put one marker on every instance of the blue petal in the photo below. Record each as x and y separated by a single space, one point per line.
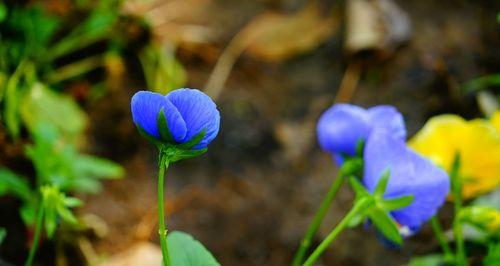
388 118
146 106
199 112
341 127
410 174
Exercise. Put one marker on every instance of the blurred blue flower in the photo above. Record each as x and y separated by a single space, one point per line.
342 126
410 174
187 111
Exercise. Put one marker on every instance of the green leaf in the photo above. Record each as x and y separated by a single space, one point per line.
11 183
386 225
493 256
3 234
427 260
397 203
50 221
41 105
72 202
186 251
91 166
382 184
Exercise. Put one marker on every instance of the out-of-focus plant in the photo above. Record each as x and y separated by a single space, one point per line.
181 124
60 169
397 190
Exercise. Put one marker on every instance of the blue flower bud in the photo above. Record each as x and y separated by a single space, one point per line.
410 174
343 126
187 113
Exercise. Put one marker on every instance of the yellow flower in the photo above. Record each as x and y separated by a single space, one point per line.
495 120
478 143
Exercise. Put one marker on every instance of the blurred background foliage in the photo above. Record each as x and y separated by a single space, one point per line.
69 67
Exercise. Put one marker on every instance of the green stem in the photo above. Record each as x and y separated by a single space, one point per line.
438 231
38 231
350 166
358 206
161 215
461 258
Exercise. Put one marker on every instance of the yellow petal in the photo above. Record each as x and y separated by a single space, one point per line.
478 143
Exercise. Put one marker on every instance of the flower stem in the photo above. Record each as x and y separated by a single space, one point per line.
358 206
38 231
163 165
346 169
456 184
438 231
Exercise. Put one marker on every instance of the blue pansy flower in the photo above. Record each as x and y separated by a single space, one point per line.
410 174
188 112
343 126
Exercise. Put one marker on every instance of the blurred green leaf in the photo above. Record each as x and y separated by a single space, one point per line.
86 165
428 260
493 256
3 12
161 69
41 105
97 26
11 183
481 83
187 251
3 234
30 30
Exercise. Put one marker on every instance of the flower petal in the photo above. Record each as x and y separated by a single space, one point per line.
146 106
388 118
199 113
341 127
410 174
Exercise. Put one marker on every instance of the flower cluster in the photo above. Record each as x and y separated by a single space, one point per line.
343 127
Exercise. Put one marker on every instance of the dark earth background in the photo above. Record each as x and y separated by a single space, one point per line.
250 198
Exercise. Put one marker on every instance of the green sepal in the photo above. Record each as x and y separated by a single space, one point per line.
382 184
358 188
174 153
397 203
163 129
193 141
146 135
360 146
385 224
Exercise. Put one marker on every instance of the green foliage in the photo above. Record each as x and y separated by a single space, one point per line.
3 234
187 251
43 106
56 204
493 256
162 71
58 162
428 260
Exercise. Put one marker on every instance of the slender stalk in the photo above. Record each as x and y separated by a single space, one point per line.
161 215
461 258
358 206
38 231
438 231
318 218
